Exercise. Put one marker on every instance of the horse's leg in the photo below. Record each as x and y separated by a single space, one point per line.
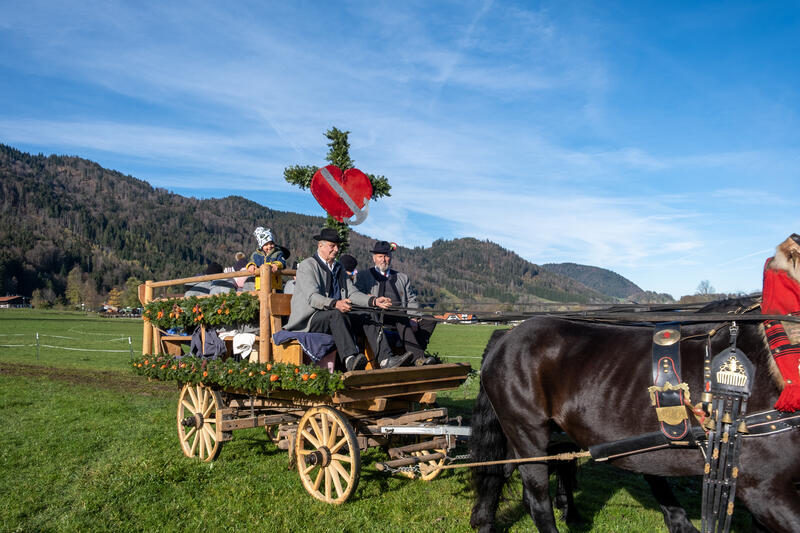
536 495
674 514
774 503
566 482
530 439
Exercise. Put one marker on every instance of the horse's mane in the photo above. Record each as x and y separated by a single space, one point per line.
731 304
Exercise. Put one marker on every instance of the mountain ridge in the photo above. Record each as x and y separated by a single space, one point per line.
62 212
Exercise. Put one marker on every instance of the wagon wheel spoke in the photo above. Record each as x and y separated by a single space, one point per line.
345 458
332 434
323 420
339 469
317 432
308 469
193 397
337 483
202 397
327 483
194 444
189 434
317 481
207 411
338 446
311 438
188 406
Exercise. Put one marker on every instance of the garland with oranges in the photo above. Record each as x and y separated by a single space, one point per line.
258 378
217 310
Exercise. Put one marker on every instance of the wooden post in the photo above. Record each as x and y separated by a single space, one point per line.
265 331
147 333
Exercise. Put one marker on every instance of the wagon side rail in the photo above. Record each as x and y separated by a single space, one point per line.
151 335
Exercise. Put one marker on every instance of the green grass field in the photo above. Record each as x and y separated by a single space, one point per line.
88 446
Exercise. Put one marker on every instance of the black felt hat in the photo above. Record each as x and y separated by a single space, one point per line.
795 237
382 247
349 263
328 234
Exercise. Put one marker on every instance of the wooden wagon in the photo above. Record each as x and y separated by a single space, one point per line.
324 434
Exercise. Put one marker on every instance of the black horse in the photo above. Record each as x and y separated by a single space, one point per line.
591 380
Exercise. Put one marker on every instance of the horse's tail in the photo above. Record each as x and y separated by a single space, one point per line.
487 443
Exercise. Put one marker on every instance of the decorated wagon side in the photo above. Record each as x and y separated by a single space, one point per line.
323 418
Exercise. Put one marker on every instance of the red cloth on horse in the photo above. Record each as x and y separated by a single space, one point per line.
781 296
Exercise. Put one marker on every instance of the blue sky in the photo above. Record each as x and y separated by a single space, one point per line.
656 139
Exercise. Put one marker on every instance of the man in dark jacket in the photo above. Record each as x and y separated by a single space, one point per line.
383 281
322 302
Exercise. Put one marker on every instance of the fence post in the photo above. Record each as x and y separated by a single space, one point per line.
130 348
37 346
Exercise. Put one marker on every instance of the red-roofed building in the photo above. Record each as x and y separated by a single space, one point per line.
14 301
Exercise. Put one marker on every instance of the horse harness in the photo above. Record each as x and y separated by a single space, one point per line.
727 385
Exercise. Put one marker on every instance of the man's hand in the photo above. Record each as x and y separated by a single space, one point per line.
384 302
275 267
251 269
343 305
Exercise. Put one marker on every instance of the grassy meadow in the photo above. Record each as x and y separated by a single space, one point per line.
88 446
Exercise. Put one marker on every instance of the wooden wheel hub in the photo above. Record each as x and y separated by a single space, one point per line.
320 457
195 421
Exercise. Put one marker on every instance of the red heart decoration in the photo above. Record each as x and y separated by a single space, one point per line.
355 183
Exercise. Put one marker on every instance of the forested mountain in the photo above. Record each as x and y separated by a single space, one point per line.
607 282
58 213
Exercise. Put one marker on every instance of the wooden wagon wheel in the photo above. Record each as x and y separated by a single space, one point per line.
198 416
327 454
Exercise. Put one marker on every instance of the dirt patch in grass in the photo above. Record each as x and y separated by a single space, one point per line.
104 379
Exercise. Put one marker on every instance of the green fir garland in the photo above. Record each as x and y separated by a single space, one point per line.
259 378
218 310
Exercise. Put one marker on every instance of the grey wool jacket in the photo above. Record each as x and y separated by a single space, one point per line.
366 282
310 293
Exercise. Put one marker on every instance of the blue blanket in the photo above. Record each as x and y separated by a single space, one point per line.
315 345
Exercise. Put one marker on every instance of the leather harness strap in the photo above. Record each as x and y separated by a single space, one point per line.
668 393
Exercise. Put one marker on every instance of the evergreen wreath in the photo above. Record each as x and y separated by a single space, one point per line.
216 310
258 378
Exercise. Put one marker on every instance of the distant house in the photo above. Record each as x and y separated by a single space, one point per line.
14 301
463 318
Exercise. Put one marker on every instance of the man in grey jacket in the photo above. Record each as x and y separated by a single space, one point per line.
322 302
383 281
